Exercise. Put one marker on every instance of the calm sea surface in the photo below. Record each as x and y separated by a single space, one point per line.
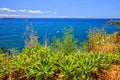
12 30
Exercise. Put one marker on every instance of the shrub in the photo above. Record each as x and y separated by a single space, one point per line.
99 40
67 44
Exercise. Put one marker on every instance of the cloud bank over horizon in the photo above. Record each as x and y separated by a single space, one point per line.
8 12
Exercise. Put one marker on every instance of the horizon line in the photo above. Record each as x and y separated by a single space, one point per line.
62 17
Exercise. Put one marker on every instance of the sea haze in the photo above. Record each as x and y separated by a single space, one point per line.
12 30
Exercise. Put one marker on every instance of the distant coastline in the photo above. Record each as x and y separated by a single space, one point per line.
6 18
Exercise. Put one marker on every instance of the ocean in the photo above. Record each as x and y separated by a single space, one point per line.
12 30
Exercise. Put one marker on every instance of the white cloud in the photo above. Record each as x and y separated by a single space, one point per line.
9 15
47 11
7 9
35 11
40 12
27 11
54 12
22 10
14 16
21 13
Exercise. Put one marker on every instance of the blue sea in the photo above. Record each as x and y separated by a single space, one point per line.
12 30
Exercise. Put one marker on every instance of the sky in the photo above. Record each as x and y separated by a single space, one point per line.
60 8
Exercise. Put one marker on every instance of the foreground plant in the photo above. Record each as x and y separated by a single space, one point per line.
42 69
66 44
99 40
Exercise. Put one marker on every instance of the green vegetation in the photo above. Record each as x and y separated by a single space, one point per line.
31 39
42 63
99 40
62 60
67 44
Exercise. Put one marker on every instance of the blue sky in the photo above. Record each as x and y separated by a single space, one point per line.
60 8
